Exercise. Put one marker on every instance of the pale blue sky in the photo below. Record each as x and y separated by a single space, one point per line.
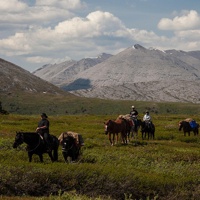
37 32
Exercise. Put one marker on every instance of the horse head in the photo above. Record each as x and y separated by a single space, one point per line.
107 126
180 124
68 143
19 139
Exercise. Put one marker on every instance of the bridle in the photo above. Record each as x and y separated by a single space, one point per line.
67 149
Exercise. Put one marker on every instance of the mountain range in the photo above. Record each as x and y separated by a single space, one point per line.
137 73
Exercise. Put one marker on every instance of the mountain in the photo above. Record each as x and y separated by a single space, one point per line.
139 74
58 73
14 79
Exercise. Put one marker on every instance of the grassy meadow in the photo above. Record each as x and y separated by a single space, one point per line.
165 168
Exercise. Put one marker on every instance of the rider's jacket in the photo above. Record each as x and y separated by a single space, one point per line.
44 122
147 117
134 114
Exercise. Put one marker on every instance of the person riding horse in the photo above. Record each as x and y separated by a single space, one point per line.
43 130
147 118
133 116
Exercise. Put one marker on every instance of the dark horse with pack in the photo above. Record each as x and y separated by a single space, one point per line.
36 145
71 143
189 125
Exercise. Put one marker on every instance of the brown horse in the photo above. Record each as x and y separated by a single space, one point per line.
185 125
131 128
114 128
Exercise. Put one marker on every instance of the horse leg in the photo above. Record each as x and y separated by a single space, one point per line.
30 156
77 152
128 135
125 137
65 156
117 137
41 157
136 133
55 154
109 137
142 134
188 133
122 138
51 156
145 135
132 131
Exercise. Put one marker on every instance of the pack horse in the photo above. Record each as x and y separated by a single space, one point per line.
189 125
71 143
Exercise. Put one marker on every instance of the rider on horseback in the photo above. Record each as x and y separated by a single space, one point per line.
43 130
133 115
147 118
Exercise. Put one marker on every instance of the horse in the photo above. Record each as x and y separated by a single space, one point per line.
113 128
147 128
134 129
36 145
71 143
130 126
185 125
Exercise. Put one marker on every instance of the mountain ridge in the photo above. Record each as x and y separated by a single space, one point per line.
137 73
14 79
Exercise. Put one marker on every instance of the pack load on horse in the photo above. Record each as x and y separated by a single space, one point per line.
71 143
114 128
147 126
189 125
36 145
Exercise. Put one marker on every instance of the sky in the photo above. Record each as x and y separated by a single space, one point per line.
38 32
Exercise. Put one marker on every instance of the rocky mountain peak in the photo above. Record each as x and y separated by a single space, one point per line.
139 47
136 73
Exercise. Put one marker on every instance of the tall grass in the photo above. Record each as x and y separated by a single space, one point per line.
165 168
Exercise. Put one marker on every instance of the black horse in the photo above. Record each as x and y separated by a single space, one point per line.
36 145
147 128
187 128
70 149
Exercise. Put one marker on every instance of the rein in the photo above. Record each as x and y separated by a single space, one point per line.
70 146
36 145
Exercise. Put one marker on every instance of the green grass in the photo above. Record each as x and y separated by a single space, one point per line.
30 104
165 168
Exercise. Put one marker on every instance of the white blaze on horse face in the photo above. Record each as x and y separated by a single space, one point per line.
106 127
